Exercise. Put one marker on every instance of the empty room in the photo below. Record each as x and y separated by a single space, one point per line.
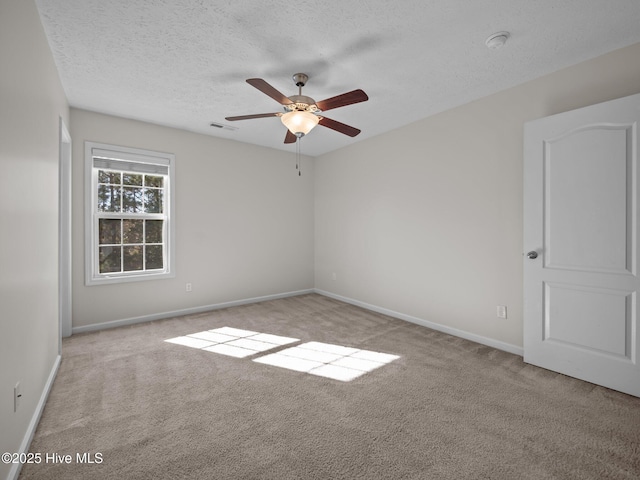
319 240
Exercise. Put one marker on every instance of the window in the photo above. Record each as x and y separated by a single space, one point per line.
128 222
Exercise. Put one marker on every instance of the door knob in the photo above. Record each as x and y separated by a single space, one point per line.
532 254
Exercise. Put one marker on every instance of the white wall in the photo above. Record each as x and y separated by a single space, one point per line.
31 103
426 221
244 222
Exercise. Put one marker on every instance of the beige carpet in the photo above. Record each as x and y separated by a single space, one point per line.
446 409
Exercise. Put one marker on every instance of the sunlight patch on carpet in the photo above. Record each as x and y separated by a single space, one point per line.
327 360
322 359
232 342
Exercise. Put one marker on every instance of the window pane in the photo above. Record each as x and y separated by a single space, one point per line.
132 231
153 181
110 259
108 198
153 232
109 231
132 179
108 177
132 199
153 254
132 258
153 200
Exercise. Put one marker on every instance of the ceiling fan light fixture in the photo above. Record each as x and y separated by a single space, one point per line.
299 122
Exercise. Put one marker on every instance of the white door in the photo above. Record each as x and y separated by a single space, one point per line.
581 261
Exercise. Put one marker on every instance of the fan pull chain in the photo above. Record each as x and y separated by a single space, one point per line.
298 157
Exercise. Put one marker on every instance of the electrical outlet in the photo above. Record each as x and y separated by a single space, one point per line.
17 396
502 311
334 277
188 287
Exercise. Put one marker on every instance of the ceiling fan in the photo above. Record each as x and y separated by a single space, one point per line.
302 113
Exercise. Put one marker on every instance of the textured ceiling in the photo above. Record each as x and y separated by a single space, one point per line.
183 63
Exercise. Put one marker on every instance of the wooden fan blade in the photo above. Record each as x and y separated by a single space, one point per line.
257 115
339 127
349 98
290 137
267 89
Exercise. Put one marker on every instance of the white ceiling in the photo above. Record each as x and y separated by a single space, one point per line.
183 63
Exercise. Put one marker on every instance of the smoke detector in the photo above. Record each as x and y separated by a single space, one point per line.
497 40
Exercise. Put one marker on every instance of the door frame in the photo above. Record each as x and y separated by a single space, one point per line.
64 234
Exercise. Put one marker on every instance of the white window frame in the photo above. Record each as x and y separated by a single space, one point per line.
132 156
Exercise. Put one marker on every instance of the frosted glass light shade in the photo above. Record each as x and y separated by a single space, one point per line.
299 122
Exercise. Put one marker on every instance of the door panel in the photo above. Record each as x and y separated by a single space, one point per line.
587 224
581 182
591 319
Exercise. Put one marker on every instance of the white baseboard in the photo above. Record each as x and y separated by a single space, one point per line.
490 342
185 311
14 472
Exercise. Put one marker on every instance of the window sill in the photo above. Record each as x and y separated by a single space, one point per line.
108 280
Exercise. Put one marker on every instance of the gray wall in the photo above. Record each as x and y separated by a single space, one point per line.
426 220
244 222
31 103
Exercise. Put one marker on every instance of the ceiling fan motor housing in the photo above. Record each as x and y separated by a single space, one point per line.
302 103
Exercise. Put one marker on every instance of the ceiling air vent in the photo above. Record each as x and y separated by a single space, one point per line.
222 126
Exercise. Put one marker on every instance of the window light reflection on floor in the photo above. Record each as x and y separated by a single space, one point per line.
327 360
233 342
321 359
